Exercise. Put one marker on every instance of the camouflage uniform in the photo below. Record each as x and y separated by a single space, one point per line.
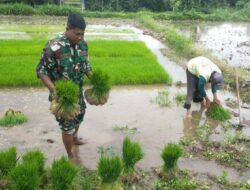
62 61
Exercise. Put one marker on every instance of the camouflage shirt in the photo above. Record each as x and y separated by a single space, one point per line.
60 60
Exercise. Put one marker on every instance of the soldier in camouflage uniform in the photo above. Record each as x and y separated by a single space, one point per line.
66 57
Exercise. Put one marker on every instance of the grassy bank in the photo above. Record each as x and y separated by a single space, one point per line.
126 62
219 14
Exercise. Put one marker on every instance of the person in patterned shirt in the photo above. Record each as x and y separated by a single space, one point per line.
66 57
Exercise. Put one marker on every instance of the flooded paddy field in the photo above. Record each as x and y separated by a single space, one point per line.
131 110
229 41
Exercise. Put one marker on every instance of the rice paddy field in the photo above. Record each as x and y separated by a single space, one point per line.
127 62
206 153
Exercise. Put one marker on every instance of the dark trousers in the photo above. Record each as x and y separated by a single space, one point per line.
192 83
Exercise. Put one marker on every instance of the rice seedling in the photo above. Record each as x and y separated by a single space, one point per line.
180 98
125 129
162 99
25 176
109 170
65 102
170 155
7 161
131 154
37 157
98 94
12 117
219 113
62 174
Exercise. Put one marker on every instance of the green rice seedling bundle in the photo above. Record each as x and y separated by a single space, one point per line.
131 153
170 155
217 112
7 161
37 157
12 117
99 93
25 176
65 104
109 170
62 174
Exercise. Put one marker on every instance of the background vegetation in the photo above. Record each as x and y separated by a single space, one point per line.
152 5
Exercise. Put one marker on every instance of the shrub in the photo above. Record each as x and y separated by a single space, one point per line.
131 153
35 157
56 10
7 161
62 174
12 118
170 154
109 170
16 9
25 176
219 113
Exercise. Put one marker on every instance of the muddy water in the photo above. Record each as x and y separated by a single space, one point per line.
129 107
229 41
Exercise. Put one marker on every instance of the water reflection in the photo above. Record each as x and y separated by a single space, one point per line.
190 124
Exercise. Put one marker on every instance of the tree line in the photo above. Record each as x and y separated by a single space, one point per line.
151 5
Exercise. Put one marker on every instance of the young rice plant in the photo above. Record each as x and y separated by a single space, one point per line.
37 157
131 153
7 161
62 174
170 154
66 98
219 113
101 86
12 118
109 170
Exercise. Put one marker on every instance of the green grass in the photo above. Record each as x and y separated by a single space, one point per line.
125 62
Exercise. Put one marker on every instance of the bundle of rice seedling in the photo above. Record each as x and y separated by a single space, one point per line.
170 155
131 154
12 117
217 112
99 93
65 104
109 170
